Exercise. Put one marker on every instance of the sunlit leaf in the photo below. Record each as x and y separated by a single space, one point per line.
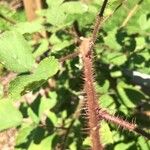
10 116
25 83
15 53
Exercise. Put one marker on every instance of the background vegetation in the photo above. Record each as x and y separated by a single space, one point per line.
41 96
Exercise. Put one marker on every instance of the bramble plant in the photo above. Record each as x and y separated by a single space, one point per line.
73 88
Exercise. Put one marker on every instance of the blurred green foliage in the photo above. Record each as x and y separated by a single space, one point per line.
53 120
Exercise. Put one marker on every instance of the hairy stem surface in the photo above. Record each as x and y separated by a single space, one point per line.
103 114
91 97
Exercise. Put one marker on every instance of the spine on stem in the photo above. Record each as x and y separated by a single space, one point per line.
91 97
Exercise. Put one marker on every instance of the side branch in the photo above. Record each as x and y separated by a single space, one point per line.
69 56
103 8
114 11
98 22
103 114
7 19
131 13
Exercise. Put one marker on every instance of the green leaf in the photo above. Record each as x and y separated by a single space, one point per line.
123 146
5 9
25 83
45 144
55 16
15 53
124 109
144 22
111 40
116 74
54 39
140 42
144 144
33 116
23 133
28 27
44 107
17 86
83 20
47 103
123 95
73 145
103 88
106 133
106 101
117 137
42 48
9 115
117 58
87 141
53 117
53 3
74 7
47 68
59 44
145 54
